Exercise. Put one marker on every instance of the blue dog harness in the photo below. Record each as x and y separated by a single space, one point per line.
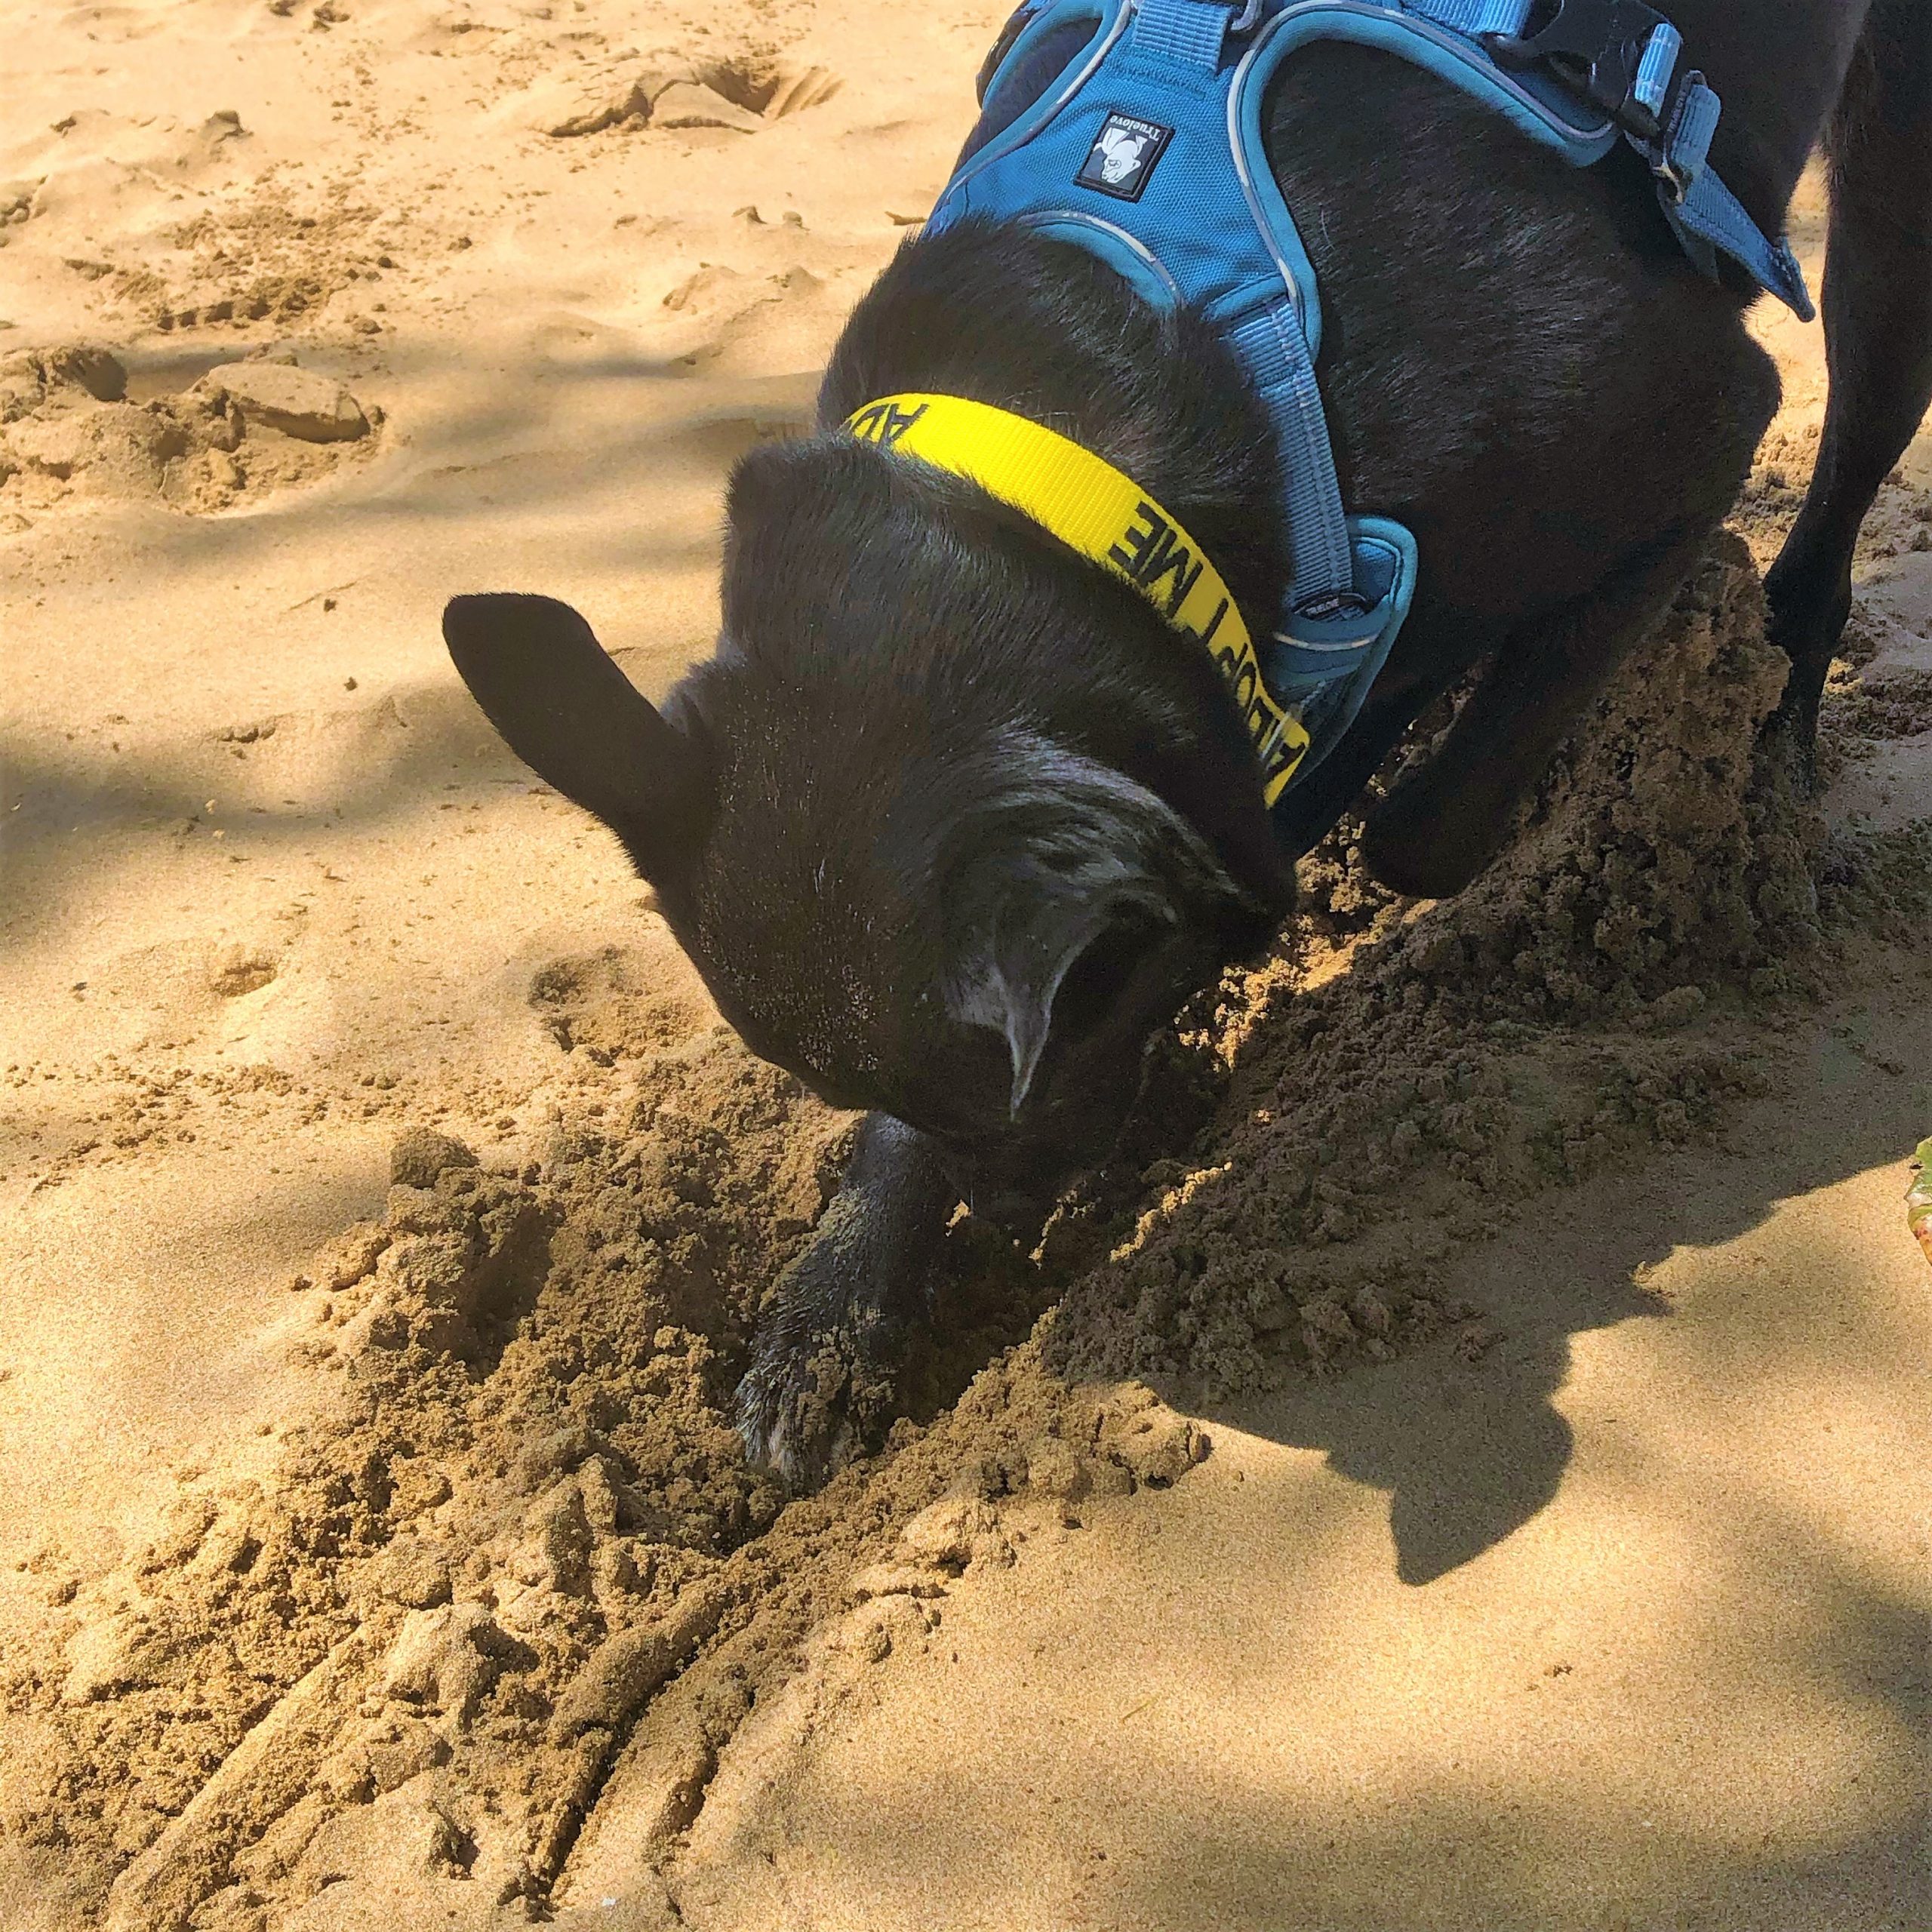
1134 129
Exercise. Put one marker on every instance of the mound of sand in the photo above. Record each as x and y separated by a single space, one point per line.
1475 1053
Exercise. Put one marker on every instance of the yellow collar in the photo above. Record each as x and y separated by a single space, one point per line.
1091 507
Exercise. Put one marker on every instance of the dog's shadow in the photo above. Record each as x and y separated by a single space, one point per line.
1463 1433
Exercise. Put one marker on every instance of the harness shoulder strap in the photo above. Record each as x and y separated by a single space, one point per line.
1623 57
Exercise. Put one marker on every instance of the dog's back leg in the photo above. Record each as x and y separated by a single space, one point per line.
1878 308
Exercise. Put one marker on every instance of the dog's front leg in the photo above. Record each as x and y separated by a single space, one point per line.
836 1329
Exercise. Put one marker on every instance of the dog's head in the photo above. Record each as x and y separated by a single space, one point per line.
908 873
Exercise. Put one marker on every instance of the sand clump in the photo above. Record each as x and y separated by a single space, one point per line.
668 91
246 429
297 402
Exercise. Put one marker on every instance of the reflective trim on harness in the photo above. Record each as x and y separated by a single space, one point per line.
1104 514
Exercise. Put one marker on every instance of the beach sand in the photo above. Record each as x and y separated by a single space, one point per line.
1480 1481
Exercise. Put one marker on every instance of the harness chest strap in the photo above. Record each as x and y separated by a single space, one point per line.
1104 514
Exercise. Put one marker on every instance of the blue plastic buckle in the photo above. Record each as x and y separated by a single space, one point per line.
1677 156
1620 53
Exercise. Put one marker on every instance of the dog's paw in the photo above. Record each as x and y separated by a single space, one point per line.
791 1410
807 1405
844 1319
823 1379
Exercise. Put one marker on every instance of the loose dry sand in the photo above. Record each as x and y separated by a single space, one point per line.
1478 1481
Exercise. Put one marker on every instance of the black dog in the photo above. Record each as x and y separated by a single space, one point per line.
950 826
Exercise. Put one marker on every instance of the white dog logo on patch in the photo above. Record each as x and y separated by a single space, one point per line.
1120 155
1123 156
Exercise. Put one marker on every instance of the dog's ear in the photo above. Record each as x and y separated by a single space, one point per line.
1043 936
564 707
1064 881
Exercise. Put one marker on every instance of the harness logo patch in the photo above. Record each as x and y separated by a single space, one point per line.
1121 161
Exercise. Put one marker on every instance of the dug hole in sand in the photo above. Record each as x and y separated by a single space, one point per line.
1466 1468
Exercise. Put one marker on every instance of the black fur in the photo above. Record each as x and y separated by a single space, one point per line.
951 822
